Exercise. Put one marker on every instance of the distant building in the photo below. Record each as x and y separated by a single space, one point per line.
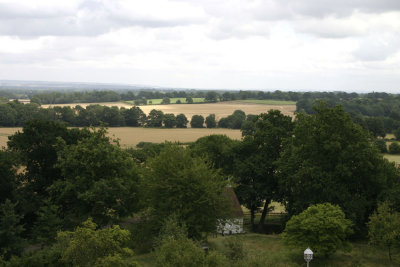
235 224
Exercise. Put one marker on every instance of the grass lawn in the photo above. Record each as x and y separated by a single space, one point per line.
272 251
173 100
267 102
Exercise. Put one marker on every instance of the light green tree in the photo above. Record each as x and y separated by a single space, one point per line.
321 227
176 182
87 246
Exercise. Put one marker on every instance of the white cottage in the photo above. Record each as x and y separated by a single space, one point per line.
235 224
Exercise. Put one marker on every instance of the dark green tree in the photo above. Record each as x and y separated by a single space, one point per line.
169 120
166 101
98 179
181 121
134 116
197 121
331 159
155 118
394 148
11 229
210 121
217 149
254 164
8 183
211 96
189 100
37 147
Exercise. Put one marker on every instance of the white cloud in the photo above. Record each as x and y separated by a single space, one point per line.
204 43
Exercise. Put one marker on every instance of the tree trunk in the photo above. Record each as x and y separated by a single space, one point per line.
263 215
390 254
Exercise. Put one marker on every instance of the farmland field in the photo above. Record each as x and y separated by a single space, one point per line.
130 136
267 102
173 100
220 109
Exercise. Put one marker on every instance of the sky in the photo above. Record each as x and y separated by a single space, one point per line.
318 45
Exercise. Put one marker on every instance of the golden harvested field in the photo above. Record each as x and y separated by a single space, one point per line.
221 109
130 136
84 105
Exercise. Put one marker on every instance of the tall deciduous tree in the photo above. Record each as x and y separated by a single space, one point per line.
155 118
210 121
254 166
331 159
99 179
178 183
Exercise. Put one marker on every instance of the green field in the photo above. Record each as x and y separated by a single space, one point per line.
267 102
173 100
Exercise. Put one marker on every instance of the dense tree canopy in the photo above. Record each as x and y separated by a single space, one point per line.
99 179
178 183
331 159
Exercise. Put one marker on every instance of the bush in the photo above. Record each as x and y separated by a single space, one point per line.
321 227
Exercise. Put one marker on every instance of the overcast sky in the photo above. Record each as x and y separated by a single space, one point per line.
347 45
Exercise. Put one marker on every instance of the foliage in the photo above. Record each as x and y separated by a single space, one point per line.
384 228
211 96
210 121
189 100
234 121
169 120
87 246
331 159
394 148
175 249
181 121
99 179
381 145
11 241
197 121
321 227
155 118
8 176
234 249
166 101
48 223
177 182
216 149
253 166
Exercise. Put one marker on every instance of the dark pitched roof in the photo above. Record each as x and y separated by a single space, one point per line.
236 208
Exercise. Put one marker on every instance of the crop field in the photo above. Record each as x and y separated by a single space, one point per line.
173 100
267 102
131 136
220 109
84 105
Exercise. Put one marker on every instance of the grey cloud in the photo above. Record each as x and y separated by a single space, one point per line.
90 18
377 48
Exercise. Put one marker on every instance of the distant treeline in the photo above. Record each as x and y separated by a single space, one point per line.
377 112
17 114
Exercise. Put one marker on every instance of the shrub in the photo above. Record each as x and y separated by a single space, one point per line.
321 227
383 228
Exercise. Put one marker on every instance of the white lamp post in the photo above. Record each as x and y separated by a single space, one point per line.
308 255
